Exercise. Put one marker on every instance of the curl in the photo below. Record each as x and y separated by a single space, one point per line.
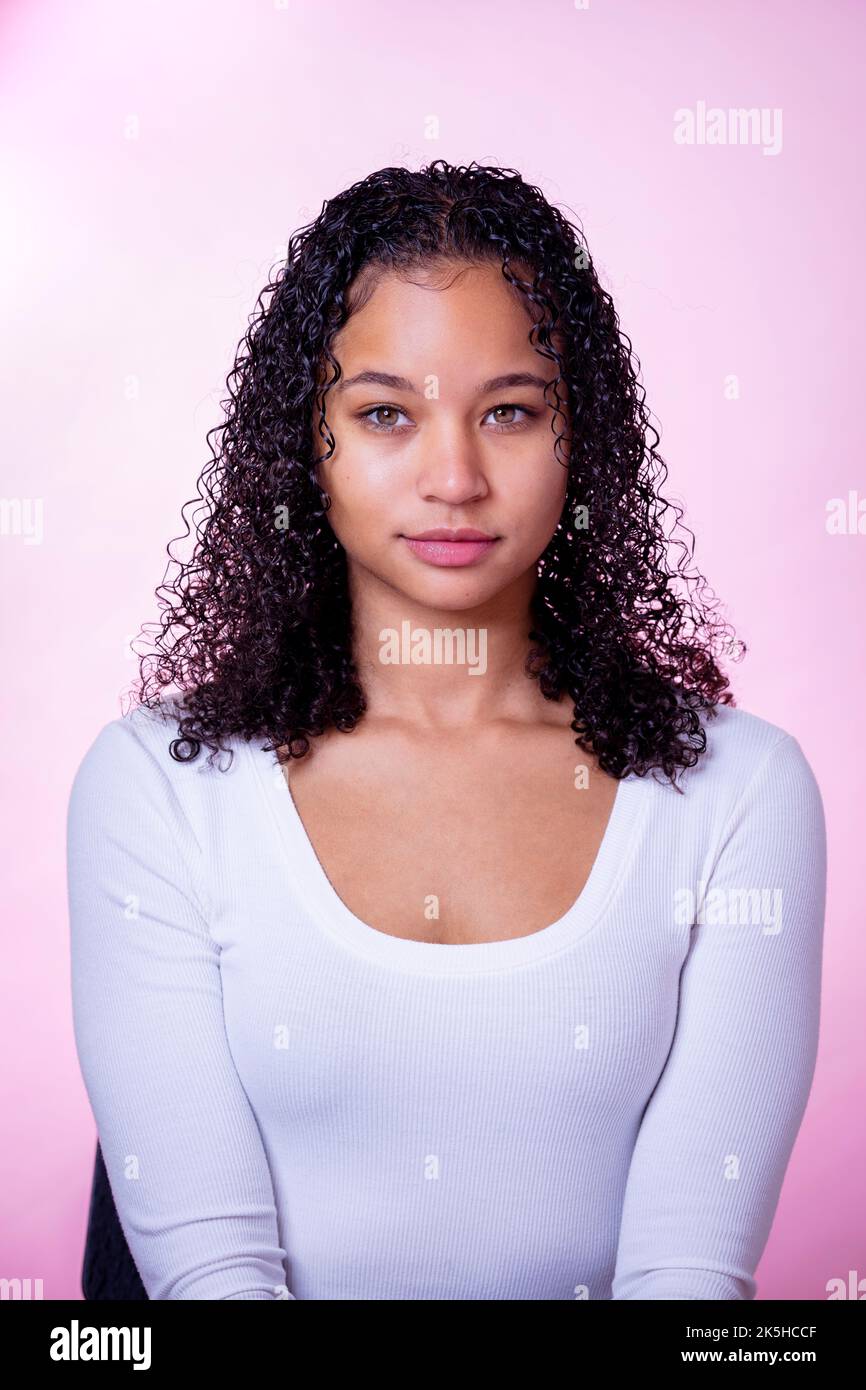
255 627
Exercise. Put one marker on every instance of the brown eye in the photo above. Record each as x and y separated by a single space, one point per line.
384 426
514 424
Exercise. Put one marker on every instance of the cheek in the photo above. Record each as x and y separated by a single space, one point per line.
542 498
362 501
360 473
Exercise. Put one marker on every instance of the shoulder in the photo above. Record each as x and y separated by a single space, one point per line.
137 743
129 771
130 763
736 734
752 765
741 745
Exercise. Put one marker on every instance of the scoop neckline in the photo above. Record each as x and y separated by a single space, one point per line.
335 917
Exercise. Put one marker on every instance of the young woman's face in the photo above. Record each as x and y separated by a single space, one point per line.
446 441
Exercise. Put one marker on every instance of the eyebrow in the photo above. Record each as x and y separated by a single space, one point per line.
402 383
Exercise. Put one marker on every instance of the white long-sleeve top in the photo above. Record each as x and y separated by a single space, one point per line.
293 1104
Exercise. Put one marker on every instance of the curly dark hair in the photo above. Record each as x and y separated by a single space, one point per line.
255 629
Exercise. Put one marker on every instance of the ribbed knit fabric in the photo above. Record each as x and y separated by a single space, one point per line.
292 1104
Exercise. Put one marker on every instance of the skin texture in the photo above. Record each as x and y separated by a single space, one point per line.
450 784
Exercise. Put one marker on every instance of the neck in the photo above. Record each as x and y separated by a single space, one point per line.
444 667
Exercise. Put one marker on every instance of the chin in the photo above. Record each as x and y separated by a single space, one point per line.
455 594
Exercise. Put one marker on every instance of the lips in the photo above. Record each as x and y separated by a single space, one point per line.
445 533
447 548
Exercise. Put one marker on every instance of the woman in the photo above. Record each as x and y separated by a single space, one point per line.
487 963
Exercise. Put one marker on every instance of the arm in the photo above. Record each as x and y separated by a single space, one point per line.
181 1144
718 1131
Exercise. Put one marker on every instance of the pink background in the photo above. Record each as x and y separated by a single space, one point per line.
156 158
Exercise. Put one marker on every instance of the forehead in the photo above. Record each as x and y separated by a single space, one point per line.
450 308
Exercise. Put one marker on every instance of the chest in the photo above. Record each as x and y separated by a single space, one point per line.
458 847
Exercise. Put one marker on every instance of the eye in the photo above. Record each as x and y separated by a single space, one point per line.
512 424
370 423
390 426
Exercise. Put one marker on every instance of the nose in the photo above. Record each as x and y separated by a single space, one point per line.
451 469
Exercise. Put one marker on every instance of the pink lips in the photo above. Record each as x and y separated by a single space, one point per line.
446 547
